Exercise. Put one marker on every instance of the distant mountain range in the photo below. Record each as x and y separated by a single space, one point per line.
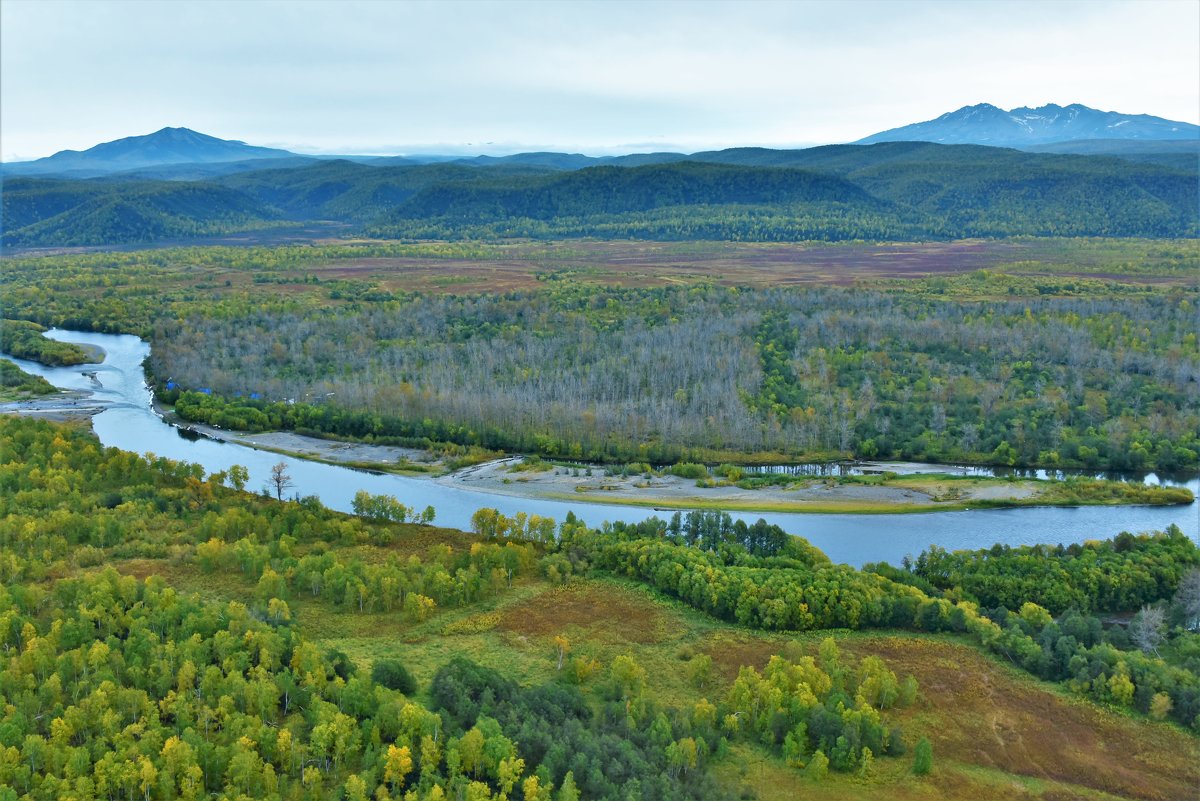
179 184
986 124
181 154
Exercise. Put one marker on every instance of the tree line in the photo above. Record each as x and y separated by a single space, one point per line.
1114 575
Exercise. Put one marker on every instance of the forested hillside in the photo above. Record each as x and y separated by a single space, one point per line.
354 192
616 190
892 191
40 211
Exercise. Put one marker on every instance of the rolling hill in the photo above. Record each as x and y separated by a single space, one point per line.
615 190
355 192
1179 153
40 211
885 191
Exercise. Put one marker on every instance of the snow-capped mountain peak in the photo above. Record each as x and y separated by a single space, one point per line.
984 123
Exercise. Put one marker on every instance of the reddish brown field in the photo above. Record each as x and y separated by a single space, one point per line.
587 611
648 264
528 265
513 266
980 715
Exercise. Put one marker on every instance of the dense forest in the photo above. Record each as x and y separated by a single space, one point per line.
900 194
122 687
893 191
47 211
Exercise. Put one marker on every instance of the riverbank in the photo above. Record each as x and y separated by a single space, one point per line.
411 462
533 480
129 423
903 491
63 407
881 494
95 353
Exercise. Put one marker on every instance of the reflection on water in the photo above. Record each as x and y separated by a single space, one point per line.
130 423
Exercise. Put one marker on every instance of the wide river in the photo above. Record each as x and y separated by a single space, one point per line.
130 423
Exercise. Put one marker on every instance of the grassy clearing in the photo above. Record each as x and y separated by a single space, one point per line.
996 733
417 540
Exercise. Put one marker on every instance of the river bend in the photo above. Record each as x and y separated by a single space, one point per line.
128 421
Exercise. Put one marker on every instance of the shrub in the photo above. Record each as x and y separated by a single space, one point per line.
391 673
689 470
730 472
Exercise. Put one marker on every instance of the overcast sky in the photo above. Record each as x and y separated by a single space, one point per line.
396 77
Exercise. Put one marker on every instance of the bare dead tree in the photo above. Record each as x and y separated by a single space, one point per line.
280 479
533 365
1146 630
1187 597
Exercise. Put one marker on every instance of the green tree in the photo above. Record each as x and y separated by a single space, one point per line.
923 757
238 476
817 767
392 673
568 791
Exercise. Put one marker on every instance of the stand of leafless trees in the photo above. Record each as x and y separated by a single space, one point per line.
910 375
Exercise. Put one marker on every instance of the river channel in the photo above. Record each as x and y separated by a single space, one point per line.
130 423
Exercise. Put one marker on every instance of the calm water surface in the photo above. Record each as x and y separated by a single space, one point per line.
129 423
